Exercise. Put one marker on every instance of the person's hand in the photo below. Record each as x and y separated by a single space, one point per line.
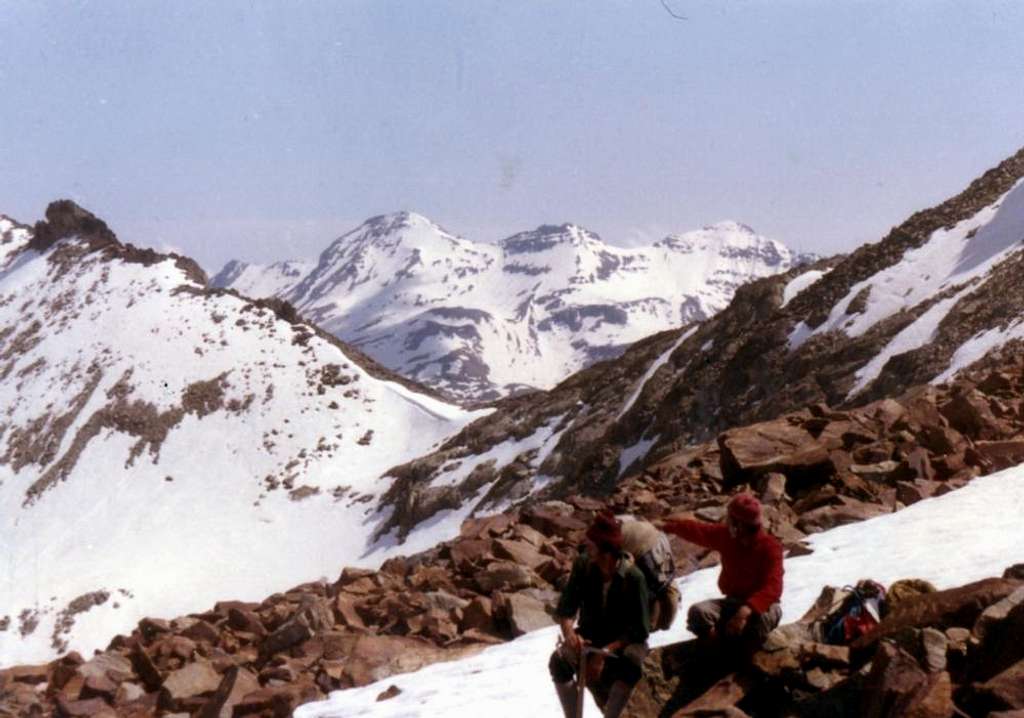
573 641
738 621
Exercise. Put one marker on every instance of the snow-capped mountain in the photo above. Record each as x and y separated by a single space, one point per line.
253 280
164 445
480 321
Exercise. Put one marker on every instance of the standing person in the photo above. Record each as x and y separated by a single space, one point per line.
751 577
609 595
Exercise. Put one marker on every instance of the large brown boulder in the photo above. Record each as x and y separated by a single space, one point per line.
522 613
998 637
772 446
190 681
895 684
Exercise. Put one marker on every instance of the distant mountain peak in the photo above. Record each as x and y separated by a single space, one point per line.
547 236
729 225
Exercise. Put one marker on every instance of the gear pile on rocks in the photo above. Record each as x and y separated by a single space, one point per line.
813 469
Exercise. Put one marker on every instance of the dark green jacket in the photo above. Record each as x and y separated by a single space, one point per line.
625 615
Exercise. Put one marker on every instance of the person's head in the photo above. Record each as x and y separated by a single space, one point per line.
743 517
604 542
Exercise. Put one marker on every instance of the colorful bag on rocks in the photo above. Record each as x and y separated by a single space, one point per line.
652 553
856 611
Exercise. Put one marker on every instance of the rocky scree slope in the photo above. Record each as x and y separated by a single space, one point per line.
937 294
479 321
162 443
500 577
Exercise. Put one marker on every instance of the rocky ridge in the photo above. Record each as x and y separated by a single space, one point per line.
937 294
814 469
480 321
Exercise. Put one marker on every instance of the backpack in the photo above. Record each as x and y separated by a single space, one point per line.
856 611
652 554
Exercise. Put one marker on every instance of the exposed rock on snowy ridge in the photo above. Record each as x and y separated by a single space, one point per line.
479 321
163 444
939 292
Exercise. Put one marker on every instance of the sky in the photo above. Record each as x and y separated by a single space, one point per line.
938 539
263 130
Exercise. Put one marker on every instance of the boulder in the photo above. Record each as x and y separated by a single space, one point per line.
30 675
522 613
550 521
845 511
1001 454
234 686
107 665
243 619
518 551
192 680
772 446
87 708
98 687
895 684
970 414
506 576
937 701
485 527
998 637
345 613
467 553
144 667
1005 691
478 614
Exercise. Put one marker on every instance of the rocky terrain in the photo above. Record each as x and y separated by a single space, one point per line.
937 294
479 321
955 652
814 469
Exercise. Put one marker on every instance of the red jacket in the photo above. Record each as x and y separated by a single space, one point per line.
752 574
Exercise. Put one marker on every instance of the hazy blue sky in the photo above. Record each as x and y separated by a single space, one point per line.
263 130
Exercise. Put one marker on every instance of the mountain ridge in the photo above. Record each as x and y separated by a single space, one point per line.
479 321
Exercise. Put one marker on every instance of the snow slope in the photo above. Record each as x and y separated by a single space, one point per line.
953 263
481 320
938 539
163 447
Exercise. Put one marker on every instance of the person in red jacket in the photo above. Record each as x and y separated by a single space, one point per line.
751 576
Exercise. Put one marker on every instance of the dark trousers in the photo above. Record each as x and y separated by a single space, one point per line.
715 614
564 667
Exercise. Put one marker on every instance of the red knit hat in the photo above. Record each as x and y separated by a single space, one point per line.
606 531
745 509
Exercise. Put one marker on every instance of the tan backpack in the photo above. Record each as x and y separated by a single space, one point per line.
652 554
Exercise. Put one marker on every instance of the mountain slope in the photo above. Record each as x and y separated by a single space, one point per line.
163 445
479 321
938 293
